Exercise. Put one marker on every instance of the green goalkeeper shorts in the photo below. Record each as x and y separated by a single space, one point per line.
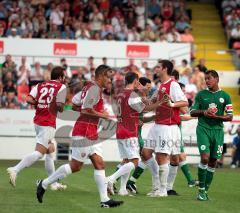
210 141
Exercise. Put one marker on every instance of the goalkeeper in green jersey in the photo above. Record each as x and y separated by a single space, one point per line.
212 107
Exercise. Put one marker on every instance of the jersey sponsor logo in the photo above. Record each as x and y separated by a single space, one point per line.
221 100
138 51
65 49
1 47
213 107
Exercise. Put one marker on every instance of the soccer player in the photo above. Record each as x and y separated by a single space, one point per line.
210 105
86 143
49 98
130 105
164 137
145 85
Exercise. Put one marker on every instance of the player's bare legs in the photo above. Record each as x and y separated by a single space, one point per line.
27 161
173 167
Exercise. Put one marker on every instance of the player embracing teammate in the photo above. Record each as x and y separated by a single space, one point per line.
164 138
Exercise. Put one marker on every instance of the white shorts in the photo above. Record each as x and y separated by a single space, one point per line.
44 134
128 148
164 139
81 153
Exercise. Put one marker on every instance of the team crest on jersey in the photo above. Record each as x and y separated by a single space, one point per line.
203 147
83 155
163 89
221 100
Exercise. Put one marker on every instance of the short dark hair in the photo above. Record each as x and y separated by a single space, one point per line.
130 77
213 73
184 61
175 73
57 72
181 85
101 70
168 65
144 81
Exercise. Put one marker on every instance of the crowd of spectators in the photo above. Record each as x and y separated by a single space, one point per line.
126 20
16 80
230 13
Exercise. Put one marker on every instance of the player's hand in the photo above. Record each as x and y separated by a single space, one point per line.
209 114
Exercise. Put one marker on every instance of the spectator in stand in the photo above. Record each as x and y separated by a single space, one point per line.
47 72
23 104
96 18
9 70
133 35
201 65
235 35
54 32
13 33
90 63
22 89
198 78
82 32
184 71
122 34
140 11
68 33
153 8
148 34
173 36
104 60
36 73
167 10
23 74
191 90
182 24
9 87
10 101
187 37
144 68
66 67
130 21
236 150
56 16
128 8
3 12
157 24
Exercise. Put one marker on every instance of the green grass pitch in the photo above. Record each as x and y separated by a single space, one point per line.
82 196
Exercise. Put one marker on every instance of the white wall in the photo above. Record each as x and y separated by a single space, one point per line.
76 52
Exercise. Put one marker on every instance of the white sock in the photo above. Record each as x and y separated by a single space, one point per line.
142 165
62 172
126 168
154 168
100 178
163 173
171 176
124 180
49 164
119 165
28 161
